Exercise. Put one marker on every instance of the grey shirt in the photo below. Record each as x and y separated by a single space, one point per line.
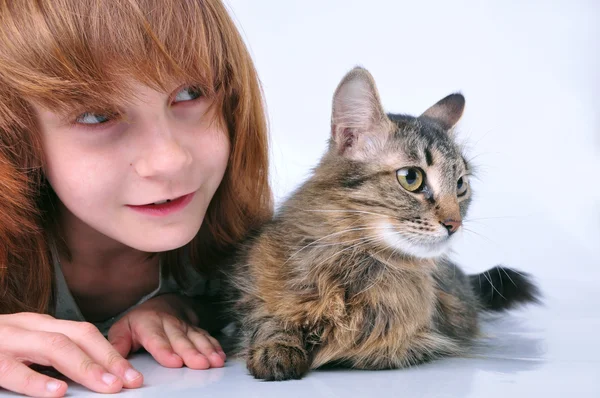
67 309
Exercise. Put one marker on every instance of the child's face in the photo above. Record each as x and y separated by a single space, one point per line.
164 146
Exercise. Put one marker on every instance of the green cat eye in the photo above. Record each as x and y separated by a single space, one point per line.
461 186
411 178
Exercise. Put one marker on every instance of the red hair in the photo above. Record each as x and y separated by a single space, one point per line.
72 55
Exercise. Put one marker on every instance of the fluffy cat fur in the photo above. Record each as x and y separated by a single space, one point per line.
352 270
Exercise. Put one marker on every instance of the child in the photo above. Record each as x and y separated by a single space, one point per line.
133 144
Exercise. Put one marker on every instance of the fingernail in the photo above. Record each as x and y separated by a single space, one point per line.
132 374
53 386
108 379
222 354
216 356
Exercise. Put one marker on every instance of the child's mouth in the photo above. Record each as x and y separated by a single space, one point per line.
164 207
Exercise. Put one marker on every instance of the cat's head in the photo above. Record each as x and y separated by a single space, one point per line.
404 176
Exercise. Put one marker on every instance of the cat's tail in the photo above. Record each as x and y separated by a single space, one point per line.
502 288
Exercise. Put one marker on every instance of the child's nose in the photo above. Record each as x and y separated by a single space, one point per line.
164 155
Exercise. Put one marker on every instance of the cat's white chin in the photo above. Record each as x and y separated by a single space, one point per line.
421 247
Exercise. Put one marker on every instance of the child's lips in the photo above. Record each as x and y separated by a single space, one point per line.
160 201
166 207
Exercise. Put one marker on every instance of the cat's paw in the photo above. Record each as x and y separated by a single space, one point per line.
276 362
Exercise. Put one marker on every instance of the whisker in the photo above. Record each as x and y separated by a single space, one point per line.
481 138
492 218
328 236
485 274
501 283
518 273
480 235
345 249
367 239
385 266
508 276
470 159
351 211
337 243
341 211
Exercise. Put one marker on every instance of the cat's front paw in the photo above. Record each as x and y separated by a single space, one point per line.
277 362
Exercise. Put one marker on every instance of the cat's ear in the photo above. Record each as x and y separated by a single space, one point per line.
359 125
447 112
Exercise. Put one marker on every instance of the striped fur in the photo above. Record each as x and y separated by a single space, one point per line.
351 270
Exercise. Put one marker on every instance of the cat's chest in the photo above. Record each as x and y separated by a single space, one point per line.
377 300
394 305
383 318
380 312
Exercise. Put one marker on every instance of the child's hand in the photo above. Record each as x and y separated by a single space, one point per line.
157 326
76 349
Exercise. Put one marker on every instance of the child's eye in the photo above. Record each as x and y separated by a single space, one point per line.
188 94
92 118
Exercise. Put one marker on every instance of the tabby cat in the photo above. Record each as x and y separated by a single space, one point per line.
351 270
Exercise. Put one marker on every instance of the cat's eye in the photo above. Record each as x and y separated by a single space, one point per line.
462 185
411 178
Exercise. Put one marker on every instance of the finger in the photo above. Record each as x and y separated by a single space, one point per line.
92 342
120 336
19 378
217 346
122 345
184 347
59 351
151 335
202 342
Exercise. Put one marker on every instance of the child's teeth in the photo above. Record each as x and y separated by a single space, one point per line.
161 202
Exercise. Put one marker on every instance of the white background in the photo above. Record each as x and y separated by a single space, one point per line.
530 72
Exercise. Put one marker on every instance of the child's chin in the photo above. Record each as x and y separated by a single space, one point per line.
164 242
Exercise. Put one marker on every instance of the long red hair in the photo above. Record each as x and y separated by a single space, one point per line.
70 55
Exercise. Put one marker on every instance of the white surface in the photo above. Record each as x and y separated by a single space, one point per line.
529 71
549 351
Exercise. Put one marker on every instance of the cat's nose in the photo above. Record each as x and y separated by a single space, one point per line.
452 225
